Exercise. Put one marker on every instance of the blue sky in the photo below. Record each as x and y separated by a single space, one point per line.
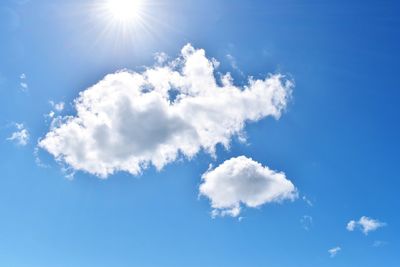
336 139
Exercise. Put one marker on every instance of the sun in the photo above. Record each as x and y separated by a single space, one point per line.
124 11
124 22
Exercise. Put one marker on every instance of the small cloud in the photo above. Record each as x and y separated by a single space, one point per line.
365 224
351 225
334 251
379 243
161 58
308 202
20 136
215 63
68 172
24 86
242 182
234 65
306 222
38 161
51 114
23 83
57 106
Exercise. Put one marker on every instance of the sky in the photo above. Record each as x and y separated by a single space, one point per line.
199 133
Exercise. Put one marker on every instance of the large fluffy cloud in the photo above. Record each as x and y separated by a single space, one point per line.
130 120
244 181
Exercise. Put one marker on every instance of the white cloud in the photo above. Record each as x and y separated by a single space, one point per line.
160 58
243 181
23 84
57 106
131 120
334 251
306 200
351 225
306 222
233 63
38 161
379 243
20 136
365 224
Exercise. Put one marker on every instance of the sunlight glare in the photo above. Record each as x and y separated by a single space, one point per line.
124 10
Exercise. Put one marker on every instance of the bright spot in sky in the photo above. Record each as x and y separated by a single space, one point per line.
124 10
125 22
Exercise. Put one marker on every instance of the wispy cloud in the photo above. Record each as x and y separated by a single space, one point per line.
334 251
160 58
233 62
307 201
306 222
379 243
20 136
365 224
57 106
23 82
